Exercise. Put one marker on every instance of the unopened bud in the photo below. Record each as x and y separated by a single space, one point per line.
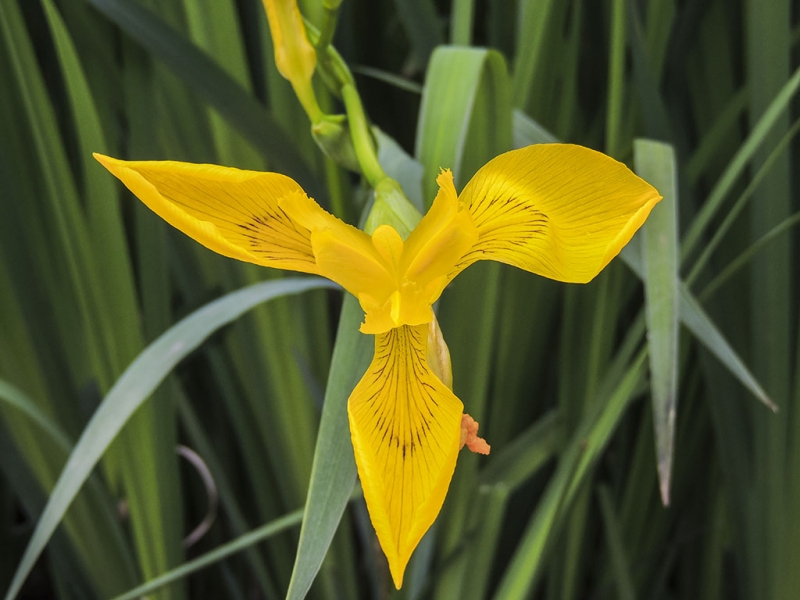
295 57
392 208
332 135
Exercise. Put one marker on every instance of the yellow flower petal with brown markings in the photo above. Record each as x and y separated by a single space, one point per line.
406 429
232 212
558 210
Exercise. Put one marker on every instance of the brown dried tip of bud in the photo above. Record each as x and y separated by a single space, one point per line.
469 436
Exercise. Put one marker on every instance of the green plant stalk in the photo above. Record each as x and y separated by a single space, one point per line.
362 140
328 27
463 16
330 64
616 80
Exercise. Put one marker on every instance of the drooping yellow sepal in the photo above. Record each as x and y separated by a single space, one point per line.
406 430
557 210
233 212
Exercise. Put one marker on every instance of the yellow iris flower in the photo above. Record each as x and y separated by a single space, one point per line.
557 210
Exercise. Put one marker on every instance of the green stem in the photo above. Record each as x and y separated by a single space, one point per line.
334 70
304 91
463 15
328 27
362 140
616 80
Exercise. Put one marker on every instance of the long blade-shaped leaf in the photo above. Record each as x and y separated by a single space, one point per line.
737 165
576 463
241 543
701 325
453 84
334 470
655 162
14 397
135 385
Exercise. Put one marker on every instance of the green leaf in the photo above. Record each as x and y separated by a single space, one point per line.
455 79
397 81
526 454
738 163
747 255
616 80
655 162
334 470
531 33
151 477
462 22
243 542
400 167
527 131
703 328
104 221
135 385
421 23
731 215
616 547
574 466
15 398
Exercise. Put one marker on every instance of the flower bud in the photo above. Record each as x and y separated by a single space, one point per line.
294 55
332 135
392 208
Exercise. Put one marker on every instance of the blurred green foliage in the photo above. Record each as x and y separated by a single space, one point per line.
576 387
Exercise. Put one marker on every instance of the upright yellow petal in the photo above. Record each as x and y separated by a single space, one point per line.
406 431
442 237
233 212
558 210
439 354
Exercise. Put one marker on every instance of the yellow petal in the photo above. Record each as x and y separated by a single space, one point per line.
406 430
558 210
349 256
389 245
230 211
439 354
442 237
